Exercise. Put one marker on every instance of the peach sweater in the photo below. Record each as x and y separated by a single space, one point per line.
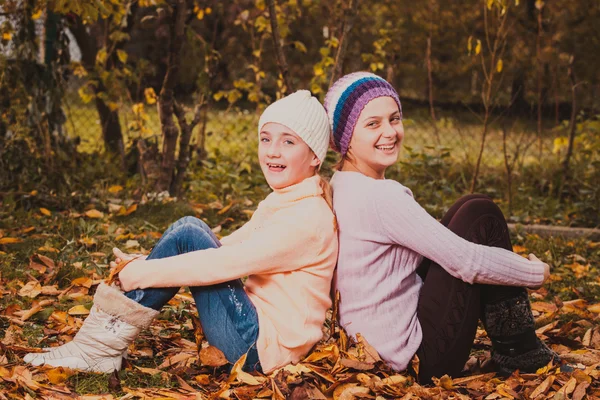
288 250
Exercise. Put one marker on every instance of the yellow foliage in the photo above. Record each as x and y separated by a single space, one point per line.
150 97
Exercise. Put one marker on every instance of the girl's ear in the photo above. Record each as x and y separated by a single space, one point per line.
315 161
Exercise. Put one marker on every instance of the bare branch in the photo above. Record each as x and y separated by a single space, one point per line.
281 62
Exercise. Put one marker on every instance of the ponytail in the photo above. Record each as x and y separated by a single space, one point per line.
328 196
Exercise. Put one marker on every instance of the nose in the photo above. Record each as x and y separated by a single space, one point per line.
273 150
389 131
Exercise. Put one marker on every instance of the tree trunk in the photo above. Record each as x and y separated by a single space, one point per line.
111 127
281 61
349 17
572 125
539 81
184 145
166 100
89 39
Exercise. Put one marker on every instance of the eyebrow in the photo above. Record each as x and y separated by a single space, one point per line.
380 116
283 134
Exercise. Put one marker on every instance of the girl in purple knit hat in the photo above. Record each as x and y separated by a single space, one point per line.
408 283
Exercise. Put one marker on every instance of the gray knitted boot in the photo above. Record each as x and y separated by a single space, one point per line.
509 324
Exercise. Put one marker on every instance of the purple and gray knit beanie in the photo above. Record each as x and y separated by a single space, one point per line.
346 99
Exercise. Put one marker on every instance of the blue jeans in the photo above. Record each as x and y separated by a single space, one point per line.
227 315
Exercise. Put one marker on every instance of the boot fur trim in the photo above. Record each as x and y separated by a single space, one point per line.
112 301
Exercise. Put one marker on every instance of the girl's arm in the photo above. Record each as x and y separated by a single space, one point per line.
280 247
406 223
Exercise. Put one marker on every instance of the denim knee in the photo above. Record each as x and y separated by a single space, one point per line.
189 220
190 237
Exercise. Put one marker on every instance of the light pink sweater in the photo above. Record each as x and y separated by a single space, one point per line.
384 234
288 249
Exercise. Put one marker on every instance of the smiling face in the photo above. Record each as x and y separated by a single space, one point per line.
284 158
376 138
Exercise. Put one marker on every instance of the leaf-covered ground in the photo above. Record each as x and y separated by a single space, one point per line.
52 260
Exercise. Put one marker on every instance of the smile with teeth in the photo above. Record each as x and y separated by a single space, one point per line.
386 147
276 167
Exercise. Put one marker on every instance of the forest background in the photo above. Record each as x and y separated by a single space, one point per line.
118 117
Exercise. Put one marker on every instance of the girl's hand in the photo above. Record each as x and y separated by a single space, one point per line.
532 257
128 276
120 257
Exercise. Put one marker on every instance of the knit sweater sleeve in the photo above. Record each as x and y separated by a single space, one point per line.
406 223
279 247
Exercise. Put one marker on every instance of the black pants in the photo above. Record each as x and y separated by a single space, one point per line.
449 308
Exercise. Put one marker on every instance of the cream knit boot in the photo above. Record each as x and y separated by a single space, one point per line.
114 322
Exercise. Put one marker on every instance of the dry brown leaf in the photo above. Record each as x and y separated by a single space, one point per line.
46 260
443 382
595 308
175 359
580 391
212 357
357 365
369 353
32 289
93 213
237 374
346 391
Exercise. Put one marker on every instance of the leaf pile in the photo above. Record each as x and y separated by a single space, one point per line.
52 260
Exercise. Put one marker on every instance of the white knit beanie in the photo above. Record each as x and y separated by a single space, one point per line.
304 114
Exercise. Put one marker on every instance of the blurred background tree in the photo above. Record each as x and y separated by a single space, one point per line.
141 85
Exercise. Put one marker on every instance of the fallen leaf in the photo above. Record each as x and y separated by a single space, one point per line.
115 189
45 211
78 310
32 289
94 214
580 391
10 240
212 357
58 375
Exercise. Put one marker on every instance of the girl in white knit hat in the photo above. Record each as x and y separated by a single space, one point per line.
288 250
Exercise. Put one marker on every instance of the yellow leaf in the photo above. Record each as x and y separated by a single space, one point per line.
560 143
122 56
318 70
101 56
45 211
470 44
115 189
36 15
200 14
499 66
94 214
58 375
478 47
6 36
48 248
595 308
208 10
10 240
32 289
519 249
150 96
84 94
83 281
130 209
87 241
112 105
78 310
